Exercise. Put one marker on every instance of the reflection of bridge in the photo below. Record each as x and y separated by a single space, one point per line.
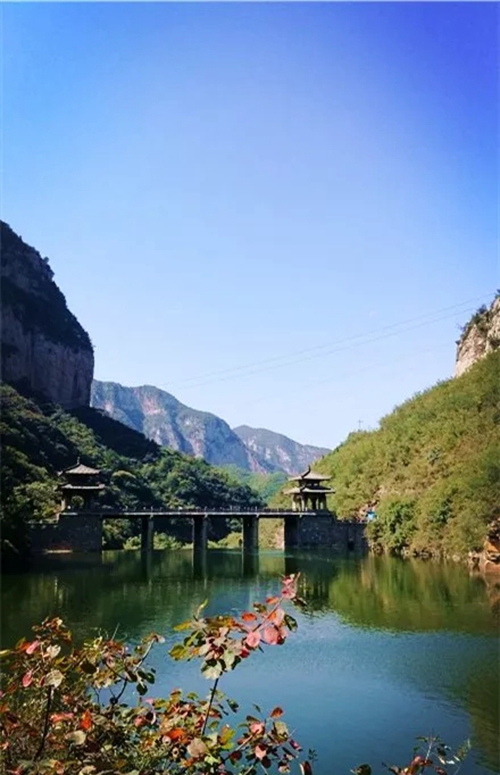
82 530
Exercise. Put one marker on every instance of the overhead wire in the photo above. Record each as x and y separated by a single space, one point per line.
320 350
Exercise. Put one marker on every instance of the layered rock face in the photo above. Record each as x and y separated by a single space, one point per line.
164 419
481 335
279 451
44 347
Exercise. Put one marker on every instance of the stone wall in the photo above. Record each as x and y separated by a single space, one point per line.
328 532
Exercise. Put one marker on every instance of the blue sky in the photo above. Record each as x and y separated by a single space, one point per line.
279 213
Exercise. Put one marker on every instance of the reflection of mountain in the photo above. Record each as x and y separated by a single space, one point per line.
400 595
398 633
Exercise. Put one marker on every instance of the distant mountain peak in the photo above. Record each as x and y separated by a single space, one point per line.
279 450
164 419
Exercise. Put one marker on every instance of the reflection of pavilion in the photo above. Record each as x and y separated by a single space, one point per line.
309 493
81 481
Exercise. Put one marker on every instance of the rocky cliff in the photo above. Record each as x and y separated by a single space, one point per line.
44 347
164 419
480 336
279 451
168 422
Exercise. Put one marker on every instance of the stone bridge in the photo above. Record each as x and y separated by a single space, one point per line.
81 531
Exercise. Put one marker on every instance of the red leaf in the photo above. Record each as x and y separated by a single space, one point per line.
56 717
271 635
252 640
277 616
176 734
86 722
27 678
277 712
272 600
305 768
248 617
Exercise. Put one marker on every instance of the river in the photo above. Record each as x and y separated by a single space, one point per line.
387 649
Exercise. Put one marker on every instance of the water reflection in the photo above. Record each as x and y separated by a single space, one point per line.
397 629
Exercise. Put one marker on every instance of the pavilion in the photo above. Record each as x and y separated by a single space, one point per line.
309 494
82 481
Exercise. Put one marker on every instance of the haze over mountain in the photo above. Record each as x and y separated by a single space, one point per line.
164 419
278 450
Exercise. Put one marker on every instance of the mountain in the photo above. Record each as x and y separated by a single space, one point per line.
40 440
44 347
430 472
480 336
280 452
168 422
47 423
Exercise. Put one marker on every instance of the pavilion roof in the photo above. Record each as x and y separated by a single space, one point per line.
309 476
308 491
80 468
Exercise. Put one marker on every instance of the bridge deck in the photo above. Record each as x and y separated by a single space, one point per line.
176 513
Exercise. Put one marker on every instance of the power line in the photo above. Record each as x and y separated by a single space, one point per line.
275 359
313 352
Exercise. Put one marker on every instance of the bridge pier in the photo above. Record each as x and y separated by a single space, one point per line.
147 533
292 535
200 564
250 533
200 532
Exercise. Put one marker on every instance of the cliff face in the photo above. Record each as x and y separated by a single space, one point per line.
168 422
162 418
480 336
279 451
43 344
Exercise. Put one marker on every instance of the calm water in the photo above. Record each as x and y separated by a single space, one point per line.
388 649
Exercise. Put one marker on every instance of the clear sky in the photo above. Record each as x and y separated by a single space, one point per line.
280 213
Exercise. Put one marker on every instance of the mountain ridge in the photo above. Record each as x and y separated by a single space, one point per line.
170 423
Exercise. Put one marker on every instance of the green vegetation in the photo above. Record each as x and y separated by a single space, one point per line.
71 709
481 319
431 470
41 439
266 485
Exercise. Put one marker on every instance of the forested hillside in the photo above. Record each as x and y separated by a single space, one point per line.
38 440
431 471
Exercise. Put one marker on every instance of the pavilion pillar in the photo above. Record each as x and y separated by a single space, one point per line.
291 532
200 533
250 533
147 533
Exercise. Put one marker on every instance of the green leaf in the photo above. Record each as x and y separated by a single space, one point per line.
178 651
183 626
211 672
281 729
88 667
201 607
362 769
